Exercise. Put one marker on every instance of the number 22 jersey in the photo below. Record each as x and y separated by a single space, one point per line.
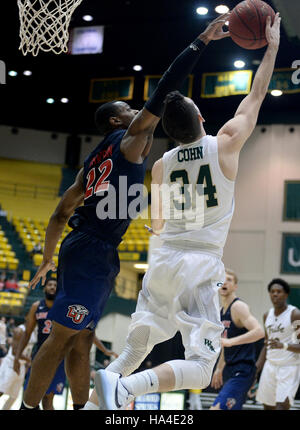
44 324
111 184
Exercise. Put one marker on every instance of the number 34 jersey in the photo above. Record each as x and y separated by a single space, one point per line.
197 199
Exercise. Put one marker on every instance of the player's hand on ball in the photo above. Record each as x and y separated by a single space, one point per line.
42 273
215 29
273 32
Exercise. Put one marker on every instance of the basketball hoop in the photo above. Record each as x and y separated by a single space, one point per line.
44 25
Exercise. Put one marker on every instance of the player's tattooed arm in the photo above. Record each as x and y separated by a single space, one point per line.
71 199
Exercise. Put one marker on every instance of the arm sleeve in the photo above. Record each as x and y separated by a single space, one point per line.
173 78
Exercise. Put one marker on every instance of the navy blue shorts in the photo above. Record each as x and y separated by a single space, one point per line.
87 268
58 382
239 379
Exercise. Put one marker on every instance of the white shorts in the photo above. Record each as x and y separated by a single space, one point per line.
277 383
10 381
180 293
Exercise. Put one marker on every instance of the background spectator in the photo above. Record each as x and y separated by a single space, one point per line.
11 284
2 280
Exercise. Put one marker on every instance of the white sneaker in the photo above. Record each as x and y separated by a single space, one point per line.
112 395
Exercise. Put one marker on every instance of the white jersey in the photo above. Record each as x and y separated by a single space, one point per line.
197 219
280 328
2 333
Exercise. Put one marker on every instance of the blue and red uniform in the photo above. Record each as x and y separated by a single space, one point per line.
88 260
239 371
44 328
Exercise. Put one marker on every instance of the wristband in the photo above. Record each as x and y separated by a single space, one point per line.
285 346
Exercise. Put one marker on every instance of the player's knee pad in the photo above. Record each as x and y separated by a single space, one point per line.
136 349
192 374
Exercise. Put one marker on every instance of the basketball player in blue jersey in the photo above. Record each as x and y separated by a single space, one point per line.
236 365
180 288
88 259
38 316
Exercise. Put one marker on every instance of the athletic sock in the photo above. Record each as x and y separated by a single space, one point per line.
90 406
141 383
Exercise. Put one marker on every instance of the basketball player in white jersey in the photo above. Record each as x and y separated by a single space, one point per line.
180 288
11 382
280 358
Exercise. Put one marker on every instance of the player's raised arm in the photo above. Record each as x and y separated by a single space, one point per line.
71 199
138 139
236 131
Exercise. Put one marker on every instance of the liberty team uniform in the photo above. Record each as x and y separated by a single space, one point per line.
280 376
44 325
240 368
88 260
180 288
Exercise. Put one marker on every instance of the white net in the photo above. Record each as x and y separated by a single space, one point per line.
44 25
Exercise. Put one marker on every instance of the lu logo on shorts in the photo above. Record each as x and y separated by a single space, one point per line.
77 313
230 402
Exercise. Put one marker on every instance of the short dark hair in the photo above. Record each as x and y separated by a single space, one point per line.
180 119
48 280
102 115
281 282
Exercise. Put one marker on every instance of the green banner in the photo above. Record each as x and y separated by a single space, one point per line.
290 253
108 89
282 80
294 296
223 84
151 82
133 256
291 209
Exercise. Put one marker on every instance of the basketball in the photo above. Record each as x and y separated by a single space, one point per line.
247 23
